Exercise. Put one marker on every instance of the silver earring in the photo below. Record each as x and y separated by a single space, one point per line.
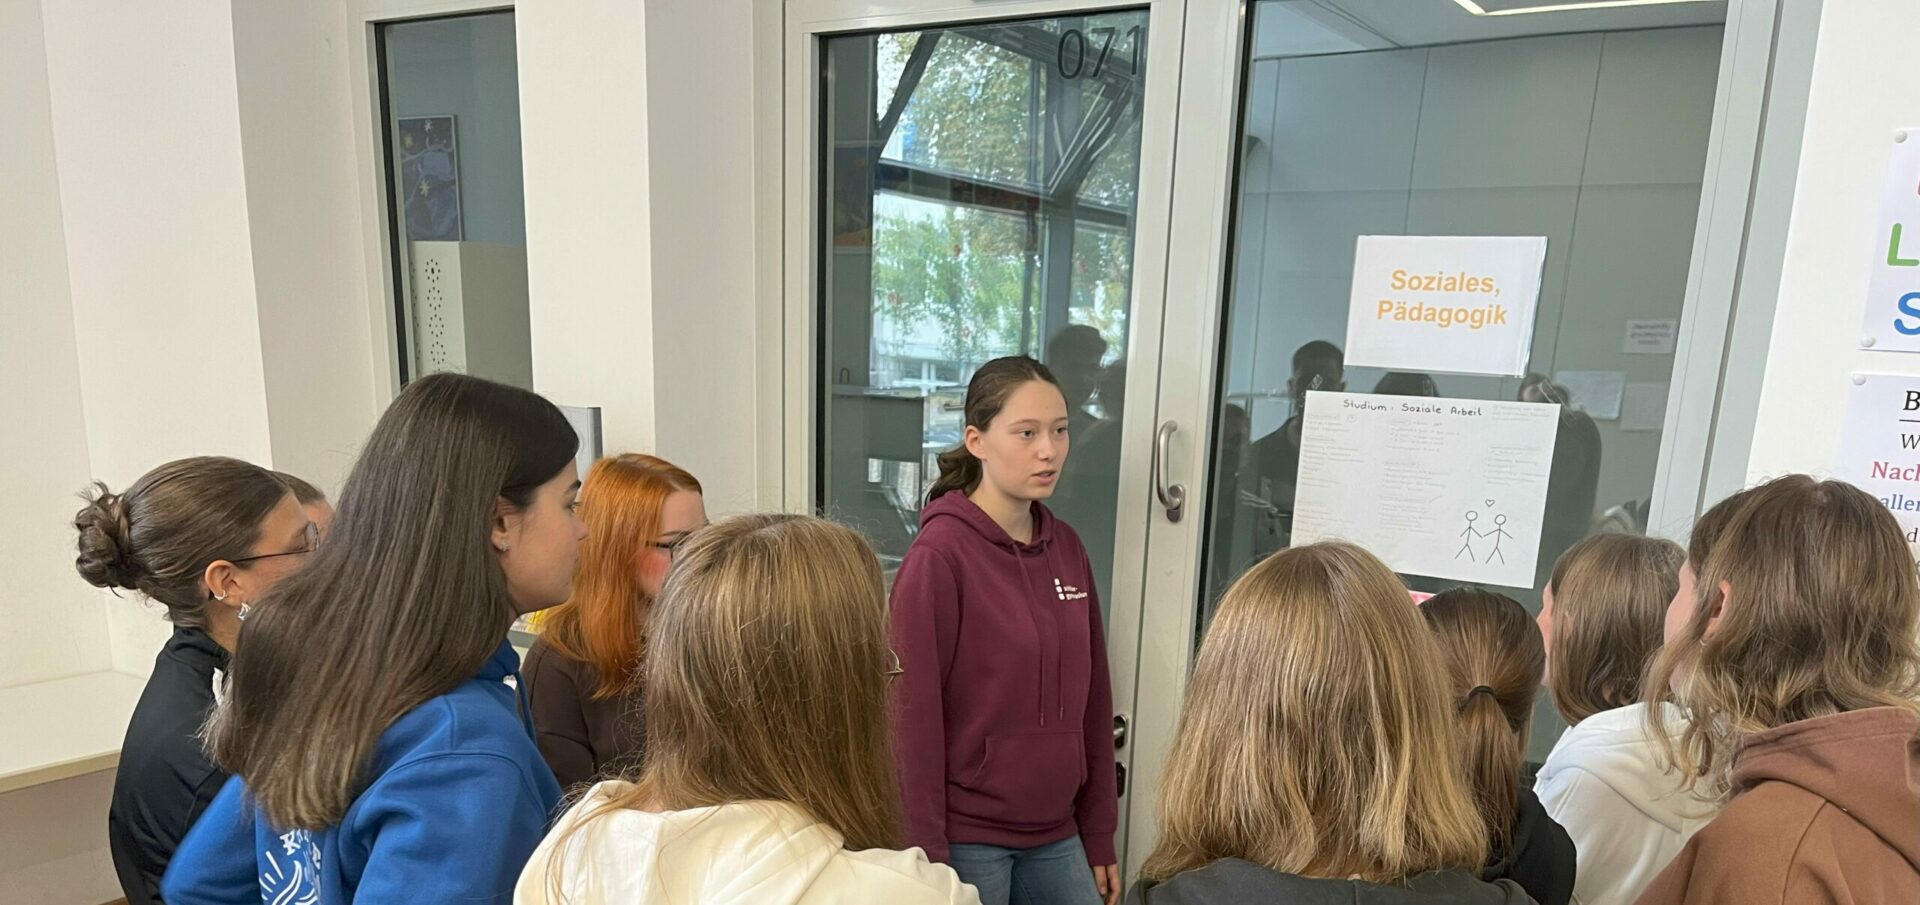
219 596
503 546
245 609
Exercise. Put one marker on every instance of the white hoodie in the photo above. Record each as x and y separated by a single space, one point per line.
758 852
1605 784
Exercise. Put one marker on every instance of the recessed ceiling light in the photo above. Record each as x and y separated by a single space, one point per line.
1560 6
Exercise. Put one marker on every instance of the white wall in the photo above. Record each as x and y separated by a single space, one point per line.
588 234
465 67
184 277
1862 91
700 156
61 621
297 142
157 245
1597 141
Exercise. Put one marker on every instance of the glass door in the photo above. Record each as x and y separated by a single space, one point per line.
975 186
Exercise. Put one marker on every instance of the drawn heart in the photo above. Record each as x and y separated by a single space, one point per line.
1489 504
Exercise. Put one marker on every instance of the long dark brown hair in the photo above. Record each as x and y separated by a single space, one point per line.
160 535
1822 620
404 601
987 394
1495 658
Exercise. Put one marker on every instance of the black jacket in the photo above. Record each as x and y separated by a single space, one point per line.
165 779
1542 859
1234 882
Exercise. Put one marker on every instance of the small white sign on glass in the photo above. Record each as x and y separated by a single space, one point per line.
1650 337
1892 320
1456 304
1451 488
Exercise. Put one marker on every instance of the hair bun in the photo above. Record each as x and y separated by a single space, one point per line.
105 559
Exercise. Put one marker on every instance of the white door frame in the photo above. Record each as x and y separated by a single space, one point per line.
807 21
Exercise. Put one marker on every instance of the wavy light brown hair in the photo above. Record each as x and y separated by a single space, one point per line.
767 672
1317 735
604 623
1818 618
1494 657
1610 596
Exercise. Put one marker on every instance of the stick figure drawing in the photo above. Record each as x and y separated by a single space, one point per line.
1466 548
1499 531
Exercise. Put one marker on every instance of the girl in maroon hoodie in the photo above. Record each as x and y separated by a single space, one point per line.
1003 714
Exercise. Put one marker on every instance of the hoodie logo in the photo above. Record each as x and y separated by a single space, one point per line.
1067 591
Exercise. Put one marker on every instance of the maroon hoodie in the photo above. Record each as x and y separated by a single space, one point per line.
1003 717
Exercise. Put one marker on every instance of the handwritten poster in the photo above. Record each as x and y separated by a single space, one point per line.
1880 446
1457 304
1452 488
1893 280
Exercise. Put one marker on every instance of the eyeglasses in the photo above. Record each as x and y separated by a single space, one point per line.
896 671
671 546
312 543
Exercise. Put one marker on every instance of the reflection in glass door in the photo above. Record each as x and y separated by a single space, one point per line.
1597 141
980 192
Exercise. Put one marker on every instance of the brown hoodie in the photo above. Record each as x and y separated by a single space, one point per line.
1824 810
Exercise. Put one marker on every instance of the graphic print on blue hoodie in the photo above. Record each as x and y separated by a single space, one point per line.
457 799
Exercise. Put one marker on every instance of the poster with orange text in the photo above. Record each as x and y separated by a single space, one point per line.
1453 304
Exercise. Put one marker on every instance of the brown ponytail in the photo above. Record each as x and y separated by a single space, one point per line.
1495 659
987 394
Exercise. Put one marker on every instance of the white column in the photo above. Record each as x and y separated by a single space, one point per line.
583 120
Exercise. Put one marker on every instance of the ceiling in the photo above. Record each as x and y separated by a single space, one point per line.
1285 28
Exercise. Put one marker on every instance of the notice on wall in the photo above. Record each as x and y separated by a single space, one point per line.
1597 393
1455 304
1451 488
1893 279
1643 408
1880 446
1650 337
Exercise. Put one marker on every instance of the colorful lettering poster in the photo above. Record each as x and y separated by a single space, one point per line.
1880 446
1451 488
1454 304
1893 280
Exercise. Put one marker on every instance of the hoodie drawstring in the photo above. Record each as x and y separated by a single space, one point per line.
1040 693
1059 699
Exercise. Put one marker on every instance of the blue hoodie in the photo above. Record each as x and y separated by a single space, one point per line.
457 798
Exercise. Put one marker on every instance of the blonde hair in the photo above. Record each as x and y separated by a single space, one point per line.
1610 597
1494 655
1821 620
1316 739
766 680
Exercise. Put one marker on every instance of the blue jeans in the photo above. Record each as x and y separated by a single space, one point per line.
1053 874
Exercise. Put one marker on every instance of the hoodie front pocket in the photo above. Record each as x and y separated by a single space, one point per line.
1028 780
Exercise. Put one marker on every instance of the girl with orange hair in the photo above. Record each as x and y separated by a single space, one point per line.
583 674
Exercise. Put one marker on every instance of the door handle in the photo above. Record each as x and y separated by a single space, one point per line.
1173 497
1119 731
